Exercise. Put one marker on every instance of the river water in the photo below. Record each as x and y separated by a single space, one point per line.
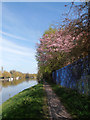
9 89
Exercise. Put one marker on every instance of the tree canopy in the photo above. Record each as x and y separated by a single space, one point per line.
66 44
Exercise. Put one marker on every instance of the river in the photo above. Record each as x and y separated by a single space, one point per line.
9 89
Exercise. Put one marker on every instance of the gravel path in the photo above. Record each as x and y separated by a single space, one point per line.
56 109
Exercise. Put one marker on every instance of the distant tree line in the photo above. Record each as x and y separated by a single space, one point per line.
14 74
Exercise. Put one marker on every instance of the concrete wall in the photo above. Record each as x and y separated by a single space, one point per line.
75 75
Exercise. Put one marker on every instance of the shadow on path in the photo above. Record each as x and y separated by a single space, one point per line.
56 109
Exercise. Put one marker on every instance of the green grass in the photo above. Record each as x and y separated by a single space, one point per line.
75 103
28 104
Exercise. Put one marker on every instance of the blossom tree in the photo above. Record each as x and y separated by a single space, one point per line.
59 47
53 48
79 27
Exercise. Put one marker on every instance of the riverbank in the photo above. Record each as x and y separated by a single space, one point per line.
9 89
31 104
28 104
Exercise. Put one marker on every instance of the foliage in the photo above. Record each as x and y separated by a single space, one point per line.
31 76
62 46
53 51
54 44
79 27
6 74
0 74
50 31
14 74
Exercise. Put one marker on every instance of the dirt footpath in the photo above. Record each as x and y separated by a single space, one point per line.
56 109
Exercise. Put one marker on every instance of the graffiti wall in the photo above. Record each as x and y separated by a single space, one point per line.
75 75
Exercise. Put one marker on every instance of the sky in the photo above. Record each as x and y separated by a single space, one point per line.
22 26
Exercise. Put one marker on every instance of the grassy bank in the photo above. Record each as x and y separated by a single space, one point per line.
29 104
75 103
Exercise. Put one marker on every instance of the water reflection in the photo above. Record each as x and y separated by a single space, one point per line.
14 83
9 89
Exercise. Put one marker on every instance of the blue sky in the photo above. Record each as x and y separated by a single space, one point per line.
22 26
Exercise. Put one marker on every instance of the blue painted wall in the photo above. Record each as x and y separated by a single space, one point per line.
75 75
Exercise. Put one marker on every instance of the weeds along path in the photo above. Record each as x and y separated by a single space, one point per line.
56 109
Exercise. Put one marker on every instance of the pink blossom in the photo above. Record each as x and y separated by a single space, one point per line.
53 43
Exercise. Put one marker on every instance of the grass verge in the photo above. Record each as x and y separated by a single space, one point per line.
26 105
76 104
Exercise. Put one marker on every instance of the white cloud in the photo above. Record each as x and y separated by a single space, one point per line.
13 36
8 46
17 57
16 27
